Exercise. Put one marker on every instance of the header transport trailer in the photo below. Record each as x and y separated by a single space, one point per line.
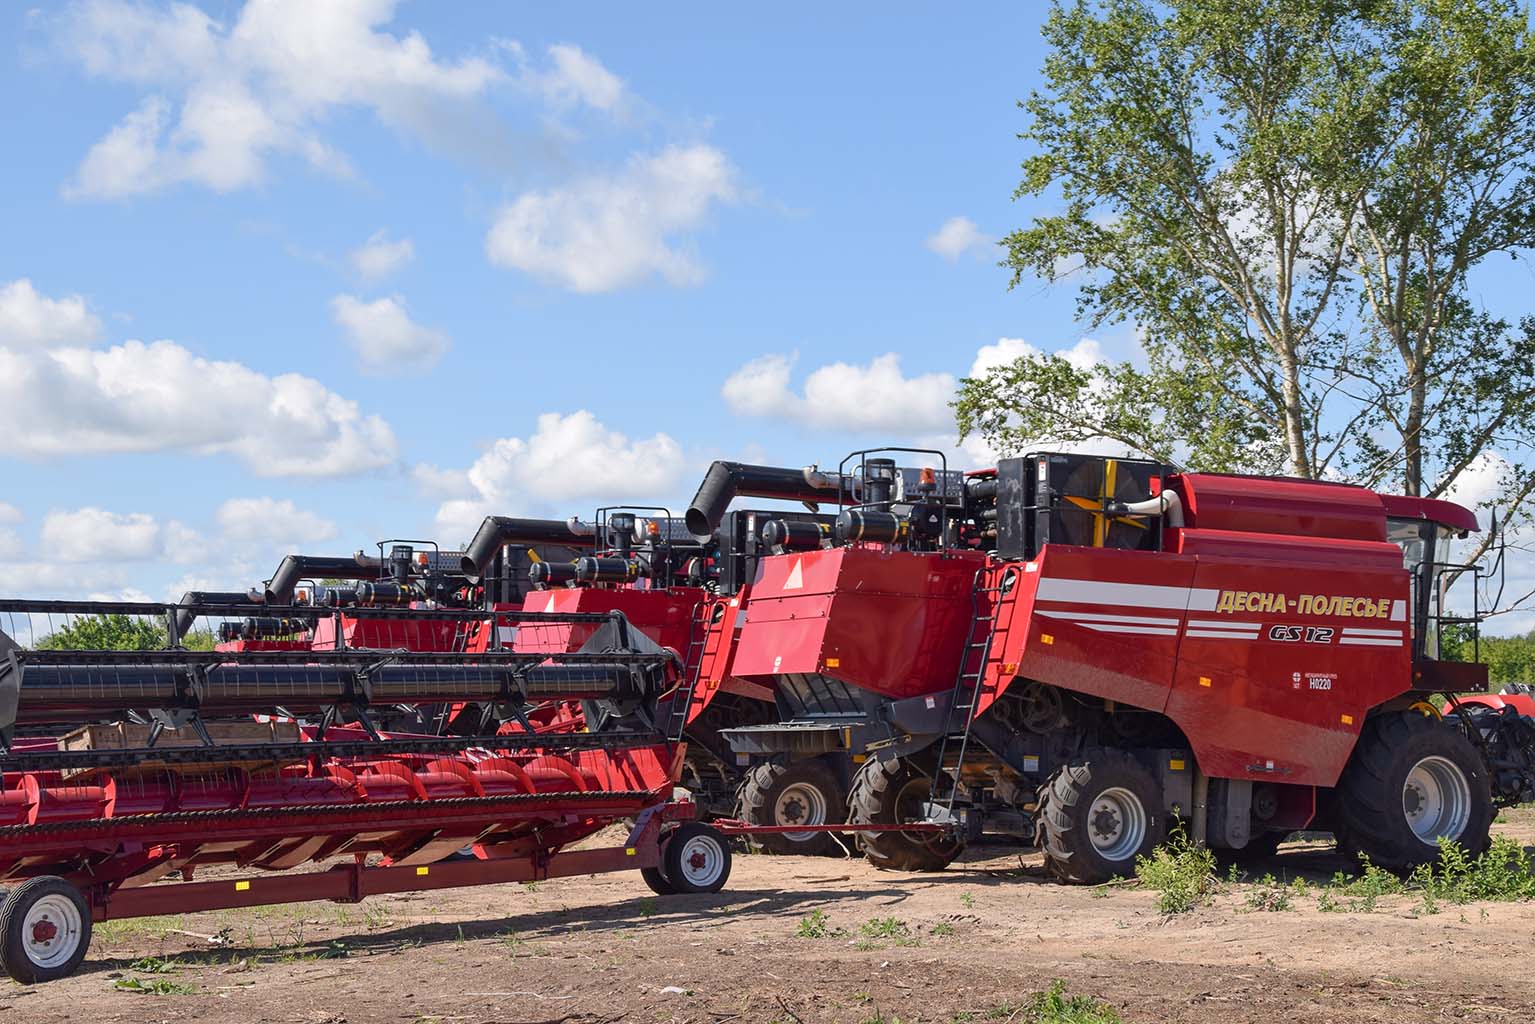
1082 651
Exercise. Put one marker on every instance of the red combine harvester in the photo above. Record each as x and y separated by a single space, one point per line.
1081 651
91 819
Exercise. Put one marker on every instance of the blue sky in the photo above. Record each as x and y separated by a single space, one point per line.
295 275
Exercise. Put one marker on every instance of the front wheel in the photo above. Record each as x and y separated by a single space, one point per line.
895 792
1101 813
802 793
45 929
1412 781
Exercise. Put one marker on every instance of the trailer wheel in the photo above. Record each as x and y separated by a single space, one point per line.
802 793
889 793
657 882
1411 781
696 858
45 929
1101 813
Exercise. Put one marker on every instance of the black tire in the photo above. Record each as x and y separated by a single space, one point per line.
657 882
889 793
696 858
1401 760
1101 813
40 940
805 792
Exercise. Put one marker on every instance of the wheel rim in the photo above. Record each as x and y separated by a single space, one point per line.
701 860
51 931
1436 798
1116 824
911 806
800 804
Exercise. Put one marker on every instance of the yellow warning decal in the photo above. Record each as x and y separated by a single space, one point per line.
242 886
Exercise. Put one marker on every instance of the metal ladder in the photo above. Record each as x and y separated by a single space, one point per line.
700 650
985 613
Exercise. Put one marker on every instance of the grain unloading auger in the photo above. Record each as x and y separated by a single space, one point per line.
90 819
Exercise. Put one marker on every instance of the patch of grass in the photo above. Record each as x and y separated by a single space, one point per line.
966 900
816 925
883 928
153 965
1181 873
1270 894
942 928
154 986
1052 1006
647 908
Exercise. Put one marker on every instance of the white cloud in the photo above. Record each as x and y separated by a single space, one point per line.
258 89
568 457
610 232
94 534
575 76
1083 355
31 320
875 396
385 337
268 520
138 397
379 257
955 237
10 515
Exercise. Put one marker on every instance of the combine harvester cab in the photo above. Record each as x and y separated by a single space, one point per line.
1083 651
121 768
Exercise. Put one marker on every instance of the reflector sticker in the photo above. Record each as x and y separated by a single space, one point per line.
423 870
1204 681
1346 719
1175 764
242 886
1128 595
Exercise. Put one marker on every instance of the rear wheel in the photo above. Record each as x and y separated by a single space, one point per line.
45 929
1101 813
895 792
1412 781
802 793
696 859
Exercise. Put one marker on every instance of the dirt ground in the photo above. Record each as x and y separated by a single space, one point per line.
977 938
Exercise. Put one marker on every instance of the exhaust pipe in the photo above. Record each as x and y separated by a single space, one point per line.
496 532
726 480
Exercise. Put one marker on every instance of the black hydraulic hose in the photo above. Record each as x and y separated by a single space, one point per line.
496 532
726 480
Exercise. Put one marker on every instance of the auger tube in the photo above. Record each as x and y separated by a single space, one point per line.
727 480
496 532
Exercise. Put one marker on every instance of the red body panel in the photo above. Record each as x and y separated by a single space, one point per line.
1281 505
666 616
893 622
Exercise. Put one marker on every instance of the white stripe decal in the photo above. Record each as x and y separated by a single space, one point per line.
1108 627
1353 631
1128 595
1221 624
1215 634
1083 617
1361 641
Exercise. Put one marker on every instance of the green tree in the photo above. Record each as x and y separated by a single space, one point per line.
1285 199
118 632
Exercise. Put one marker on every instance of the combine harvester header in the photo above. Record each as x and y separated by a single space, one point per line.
163 769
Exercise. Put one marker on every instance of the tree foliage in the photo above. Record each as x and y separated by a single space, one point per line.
1286 199
117 632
